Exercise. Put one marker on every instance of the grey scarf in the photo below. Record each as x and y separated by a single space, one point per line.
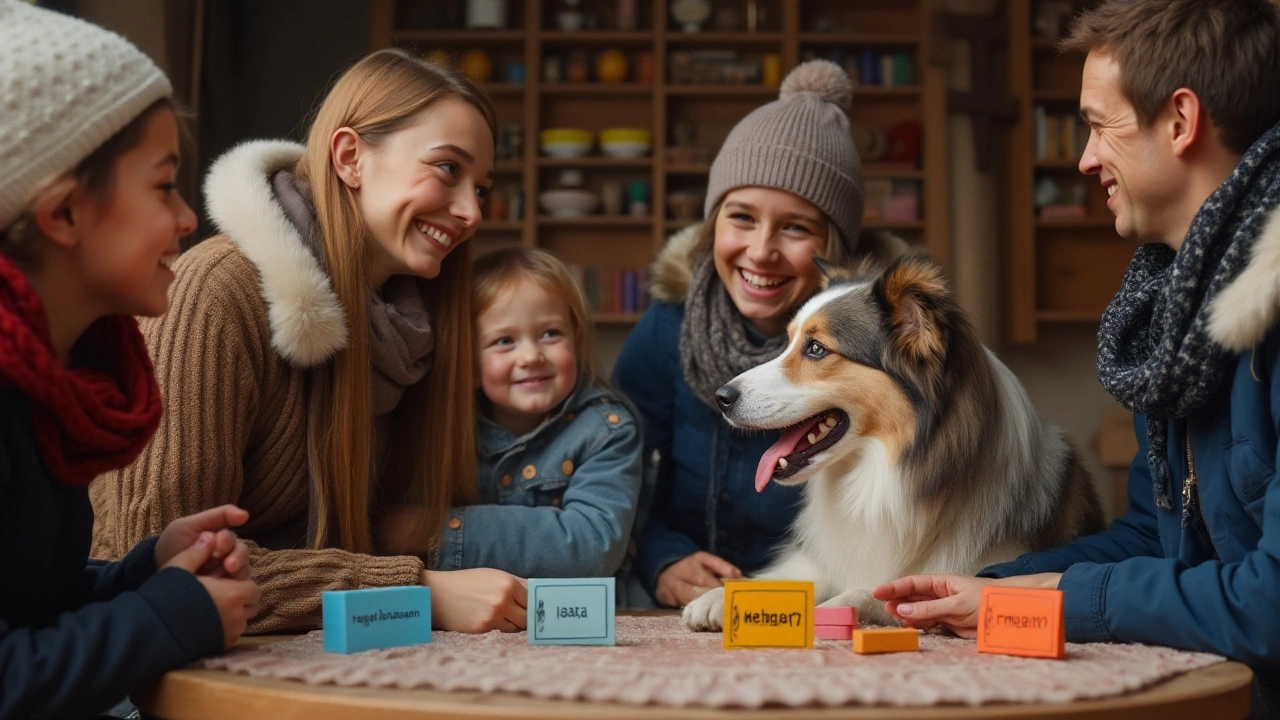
400 337
1154 351
715 344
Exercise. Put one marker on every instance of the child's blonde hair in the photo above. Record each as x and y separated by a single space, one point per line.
502 271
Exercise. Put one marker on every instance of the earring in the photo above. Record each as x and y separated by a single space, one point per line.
355 185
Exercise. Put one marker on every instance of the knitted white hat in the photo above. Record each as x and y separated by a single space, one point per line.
66 86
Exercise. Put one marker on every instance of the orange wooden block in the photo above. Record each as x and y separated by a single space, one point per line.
885 640
1021 621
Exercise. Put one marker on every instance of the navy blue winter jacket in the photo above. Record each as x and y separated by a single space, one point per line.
77 635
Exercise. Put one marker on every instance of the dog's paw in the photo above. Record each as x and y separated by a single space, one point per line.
870 610
707 612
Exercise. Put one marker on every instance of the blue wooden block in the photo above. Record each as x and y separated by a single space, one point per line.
356 620
571 611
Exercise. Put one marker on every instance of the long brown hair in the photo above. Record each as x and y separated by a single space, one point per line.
432 434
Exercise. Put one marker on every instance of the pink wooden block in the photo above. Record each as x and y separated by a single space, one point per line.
835 616
833 632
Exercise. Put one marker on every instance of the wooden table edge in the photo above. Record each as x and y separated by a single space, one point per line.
1221 690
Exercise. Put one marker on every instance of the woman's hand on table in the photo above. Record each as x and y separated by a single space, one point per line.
949 601
477 600
686 580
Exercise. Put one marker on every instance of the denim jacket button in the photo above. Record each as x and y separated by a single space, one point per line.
455 523
613 419
529 472
566 467
506 480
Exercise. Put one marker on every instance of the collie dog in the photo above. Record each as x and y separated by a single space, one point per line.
920 451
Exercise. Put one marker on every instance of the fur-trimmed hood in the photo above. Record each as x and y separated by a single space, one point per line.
672 270
308 324
1247 308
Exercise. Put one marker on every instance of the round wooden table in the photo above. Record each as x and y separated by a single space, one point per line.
1219 691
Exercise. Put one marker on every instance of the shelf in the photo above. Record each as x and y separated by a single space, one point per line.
594 221
697 168
507 167
595 161
596 37
596 89
674 225
893 225
1068 316
876 39
1088 222
606 318
1058 164
894 172
677 37
503 88
721 91
500 226
459 37
884 91
1048 95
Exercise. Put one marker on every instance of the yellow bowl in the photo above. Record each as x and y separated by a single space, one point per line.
626 135
565 135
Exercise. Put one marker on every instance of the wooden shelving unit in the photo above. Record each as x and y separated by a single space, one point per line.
786 30
1058 269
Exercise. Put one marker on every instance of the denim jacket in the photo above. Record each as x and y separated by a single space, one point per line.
705 496
556 502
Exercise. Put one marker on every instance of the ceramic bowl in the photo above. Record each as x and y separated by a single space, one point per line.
569 202
626 142
566 142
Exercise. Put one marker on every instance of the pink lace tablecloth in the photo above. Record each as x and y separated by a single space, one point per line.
657 661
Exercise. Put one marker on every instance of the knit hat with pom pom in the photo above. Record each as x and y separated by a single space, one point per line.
66 87
799 143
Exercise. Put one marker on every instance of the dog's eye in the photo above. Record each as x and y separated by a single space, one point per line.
814 350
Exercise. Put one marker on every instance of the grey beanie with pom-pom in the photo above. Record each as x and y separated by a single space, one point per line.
799 143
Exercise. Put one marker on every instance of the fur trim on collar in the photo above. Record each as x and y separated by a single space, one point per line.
308 324
672 270
1249 306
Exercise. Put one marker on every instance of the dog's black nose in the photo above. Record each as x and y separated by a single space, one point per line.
726 396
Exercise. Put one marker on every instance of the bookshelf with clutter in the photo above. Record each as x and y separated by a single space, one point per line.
611 111
1065 260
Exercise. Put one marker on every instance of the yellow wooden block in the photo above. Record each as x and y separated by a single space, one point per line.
766 613
885 640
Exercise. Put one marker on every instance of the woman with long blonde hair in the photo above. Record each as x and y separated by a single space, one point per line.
316 359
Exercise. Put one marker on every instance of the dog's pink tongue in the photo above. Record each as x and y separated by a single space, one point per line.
784 447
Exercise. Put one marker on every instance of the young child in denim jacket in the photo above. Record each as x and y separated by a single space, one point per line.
559 466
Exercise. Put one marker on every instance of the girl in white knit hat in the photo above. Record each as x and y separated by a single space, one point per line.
89 222
317 363
785 186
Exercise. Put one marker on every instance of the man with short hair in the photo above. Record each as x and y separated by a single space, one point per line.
1182 99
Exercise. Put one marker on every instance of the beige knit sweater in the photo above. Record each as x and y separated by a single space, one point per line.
231 357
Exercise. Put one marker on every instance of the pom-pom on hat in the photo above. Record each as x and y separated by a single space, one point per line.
799 143
66 86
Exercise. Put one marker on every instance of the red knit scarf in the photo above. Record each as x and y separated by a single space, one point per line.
97 413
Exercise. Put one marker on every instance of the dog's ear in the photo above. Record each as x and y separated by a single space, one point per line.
915 295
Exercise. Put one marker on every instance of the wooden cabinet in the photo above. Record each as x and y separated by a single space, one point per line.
697 86
1065 260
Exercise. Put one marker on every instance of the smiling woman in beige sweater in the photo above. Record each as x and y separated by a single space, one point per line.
315 362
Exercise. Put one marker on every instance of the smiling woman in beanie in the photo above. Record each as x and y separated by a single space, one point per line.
89 219
785 186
